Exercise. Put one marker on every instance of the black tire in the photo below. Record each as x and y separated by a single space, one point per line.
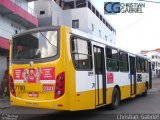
115 99
144 94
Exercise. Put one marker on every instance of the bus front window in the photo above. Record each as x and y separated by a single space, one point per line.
35 45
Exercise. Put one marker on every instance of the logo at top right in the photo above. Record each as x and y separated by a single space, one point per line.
117 7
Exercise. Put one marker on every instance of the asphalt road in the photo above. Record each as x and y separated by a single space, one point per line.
136 108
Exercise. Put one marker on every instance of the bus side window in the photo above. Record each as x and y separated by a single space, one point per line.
143 65
108 58
123 62
112 59
139 64
146 66
81 53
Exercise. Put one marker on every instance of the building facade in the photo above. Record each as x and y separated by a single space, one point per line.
154 55
78 14
15 16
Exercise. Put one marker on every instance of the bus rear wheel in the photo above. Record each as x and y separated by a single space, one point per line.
115 99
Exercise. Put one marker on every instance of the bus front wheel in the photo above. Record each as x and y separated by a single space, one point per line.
115 99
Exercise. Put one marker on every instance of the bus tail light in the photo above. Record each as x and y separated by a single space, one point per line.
11 86
60 85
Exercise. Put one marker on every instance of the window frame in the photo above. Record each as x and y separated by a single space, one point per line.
39 60
139 66
106 38
89 5
101 18
42 12
93 9
83 3
73 23
122 61
100 33
117 60
104 21
90 56
146 66
92 25
97 14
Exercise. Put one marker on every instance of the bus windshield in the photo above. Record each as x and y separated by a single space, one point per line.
35 45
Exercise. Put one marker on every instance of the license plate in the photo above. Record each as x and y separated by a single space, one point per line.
33 94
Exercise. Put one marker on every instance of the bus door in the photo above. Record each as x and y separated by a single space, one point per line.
132 74
100 81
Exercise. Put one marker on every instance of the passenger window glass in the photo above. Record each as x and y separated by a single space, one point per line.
35 45
114 54
139 64
146 66
82 46
112 59
123 62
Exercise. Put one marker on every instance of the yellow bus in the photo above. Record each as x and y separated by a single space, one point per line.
62 68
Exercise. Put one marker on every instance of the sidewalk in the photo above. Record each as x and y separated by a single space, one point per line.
4 102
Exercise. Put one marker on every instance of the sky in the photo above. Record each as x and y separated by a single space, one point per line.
135 32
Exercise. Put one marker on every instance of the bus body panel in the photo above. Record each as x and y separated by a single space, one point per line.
85 91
